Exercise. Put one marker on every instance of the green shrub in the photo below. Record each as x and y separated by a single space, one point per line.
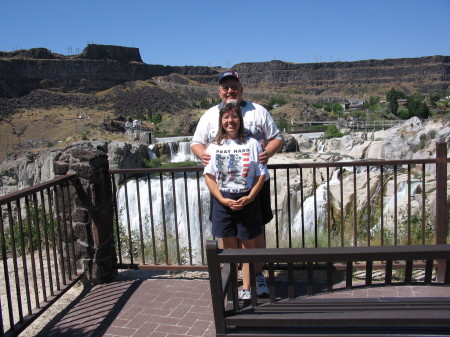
332 132
152 163
32 230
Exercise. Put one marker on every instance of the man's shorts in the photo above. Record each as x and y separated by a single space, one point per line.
266 206
245 224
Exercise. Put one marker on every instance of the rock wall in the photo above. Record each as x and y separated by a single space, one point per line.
102 52
97 68
101 67
425 73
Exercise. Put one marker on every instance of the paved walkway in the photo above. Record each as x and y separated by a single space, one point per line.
169 307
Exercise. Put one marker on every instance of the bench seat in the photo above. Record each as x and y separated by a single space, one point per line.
286 313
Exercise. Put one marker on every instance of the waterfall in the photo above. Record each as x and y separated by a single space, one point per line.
308 206
184 153
172 151
320 145
170 212
402 194
151 154
402 198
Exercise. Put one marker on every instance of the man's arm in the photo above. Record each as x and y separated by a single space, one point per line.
273 135
199 150
273 146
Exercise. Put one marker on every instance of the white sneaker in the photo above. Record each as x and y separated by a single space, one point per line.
244 294
261 285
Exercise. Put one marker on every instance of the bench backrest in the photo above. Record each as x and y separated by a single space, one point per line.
398 263
399 266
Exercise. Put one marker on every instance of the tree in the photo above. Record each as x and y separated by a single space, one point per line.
337 107
417 108
373 102
156 119
392 96
275 100
332 132
282 124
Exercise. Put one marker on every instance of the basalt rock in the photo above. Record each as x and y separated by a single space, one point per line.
101 67
98 67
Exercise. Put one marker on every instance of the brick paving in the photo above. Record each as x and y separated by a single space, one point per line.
174 307
153 307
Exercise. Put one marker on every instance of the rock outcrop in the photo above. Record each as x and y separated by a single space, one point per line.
409 140
25 171
36 167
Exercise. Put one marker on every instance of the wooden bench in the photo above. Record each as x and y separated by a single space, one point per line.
297 307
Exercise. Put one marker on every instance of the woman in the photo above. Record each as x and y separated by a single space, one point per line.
235 176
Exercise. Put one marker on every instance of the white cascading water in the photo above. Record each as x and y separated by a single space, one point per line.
320 146
151 154
168 199
402 198
308 206
184 153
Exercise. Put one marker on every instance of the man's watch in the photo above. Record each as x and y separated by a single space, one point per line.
269 154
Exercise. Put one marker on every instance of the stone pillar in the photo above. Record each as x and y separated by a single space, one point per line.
92 209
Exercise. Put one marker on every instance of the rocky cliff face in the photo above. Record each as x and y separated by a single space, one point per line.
96 68
101 67
425 73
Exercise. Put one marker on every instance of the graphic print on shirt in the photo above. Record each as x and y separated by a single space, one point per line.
232 168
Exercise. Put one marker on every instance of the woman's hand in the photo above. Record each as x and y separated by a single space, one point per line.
244 201
234 205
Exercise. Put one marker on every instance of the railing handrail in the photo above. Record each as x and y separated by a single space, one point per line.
331 254
35 188
374 162
156 170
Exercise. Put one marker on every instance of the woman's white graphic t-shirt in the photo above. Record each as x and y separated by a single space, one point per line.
235 165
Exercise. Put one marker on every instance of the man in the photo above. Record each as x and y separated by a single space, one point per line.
258 124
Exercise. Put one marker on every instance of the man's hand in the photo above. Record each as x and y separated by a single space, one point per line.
264 157
199 150
205 158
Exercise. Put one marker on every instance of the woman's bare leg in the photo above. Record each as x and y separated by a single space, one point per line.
246 244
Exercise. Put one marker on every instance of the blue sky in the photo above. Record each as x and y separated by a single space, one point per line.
224 33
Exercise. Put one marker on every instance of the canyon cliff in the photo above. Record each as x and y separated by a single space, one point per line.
100 67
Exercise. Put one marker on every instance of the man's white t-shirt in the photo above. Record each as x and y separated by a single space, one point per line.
235 166
257 123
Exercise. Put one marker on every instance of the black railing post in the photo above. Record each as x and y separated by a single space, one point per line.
441 202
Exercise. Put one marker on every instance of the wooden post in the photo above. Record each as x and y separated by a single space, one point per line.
215 283
441 203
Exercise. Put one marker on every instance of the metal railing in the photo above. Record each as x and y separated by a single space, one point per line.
162 221
161 216
37 252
